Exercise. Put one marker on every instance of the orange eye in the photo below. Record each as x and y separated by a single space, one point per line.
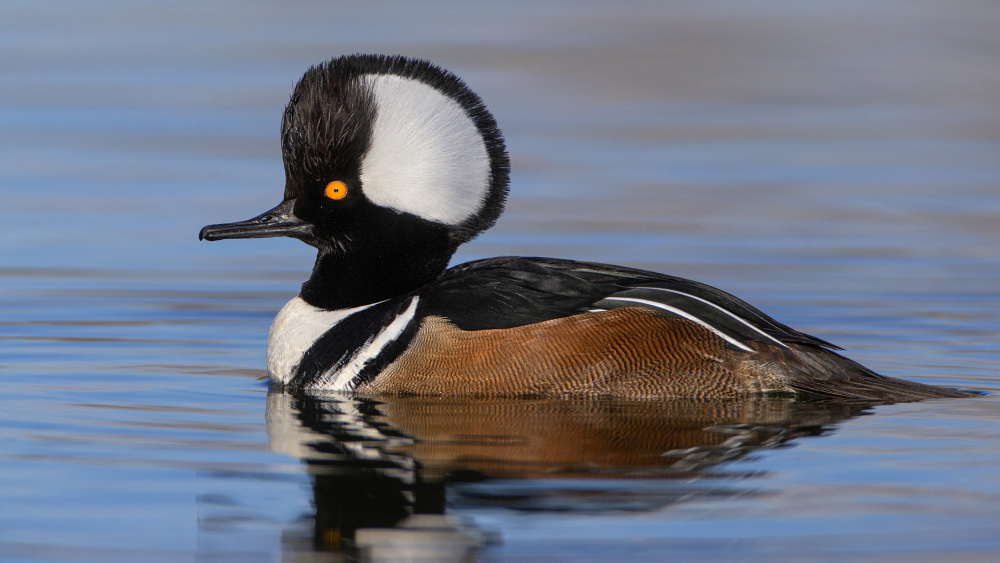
336 190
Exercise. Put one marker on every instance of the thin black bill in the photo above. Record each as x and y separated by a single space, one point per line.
277 222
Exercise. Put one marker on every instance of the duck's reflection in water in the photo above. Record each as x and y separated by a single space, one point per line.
384 471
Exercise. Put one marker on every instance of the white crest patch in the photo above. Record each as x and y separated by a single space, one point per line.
426 157
295 329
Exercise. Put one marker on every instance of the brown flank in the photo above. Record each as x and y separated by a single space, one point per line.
626 352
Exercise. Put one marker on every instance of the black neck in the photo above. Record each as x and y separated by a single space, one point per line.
371 273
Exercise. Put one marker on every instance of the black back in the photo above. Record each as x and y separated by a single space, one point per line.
513 291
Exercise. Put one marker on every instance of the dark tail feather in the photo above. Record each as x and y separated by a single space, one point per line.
828 374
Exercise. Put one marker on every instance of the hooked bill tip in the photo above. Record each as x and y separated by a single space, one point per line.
206 233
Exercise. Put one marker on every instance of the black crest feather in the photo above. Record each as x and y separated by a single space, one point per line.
327 125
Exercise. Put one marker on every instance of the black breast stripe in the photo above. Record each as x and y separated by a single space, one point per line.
390 352
332 351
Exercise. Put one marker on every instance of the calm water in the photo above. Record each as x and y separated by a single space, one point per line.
837 165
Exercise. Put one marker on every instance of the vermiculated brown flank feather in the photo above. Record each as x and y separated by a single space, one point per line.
624 352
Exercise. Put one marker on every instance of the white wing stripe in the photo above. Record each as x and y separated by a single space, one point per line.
688 316
730 313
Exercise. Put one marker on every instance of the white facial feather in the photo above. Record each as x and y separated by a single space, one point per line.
427 157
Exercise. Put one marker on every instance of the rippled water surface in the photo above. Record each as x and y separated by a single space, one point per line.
836 164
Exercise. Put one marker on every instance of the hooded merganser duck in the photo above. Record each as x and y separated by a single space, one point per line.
391 164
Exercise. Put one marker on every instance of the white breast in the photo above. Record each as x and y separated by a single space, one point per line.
295 329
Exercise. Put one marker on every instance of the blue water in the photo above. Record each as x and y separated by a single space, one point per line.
837 165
